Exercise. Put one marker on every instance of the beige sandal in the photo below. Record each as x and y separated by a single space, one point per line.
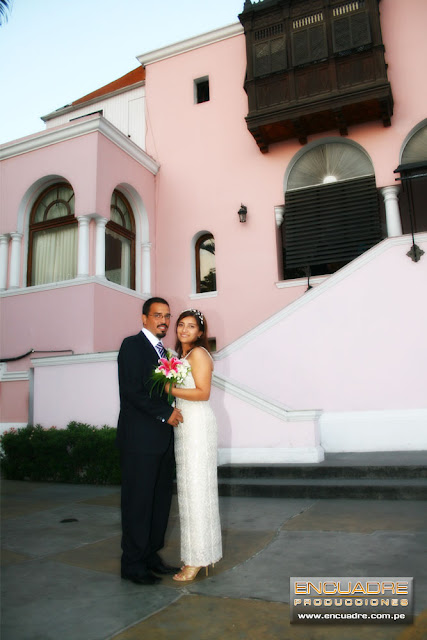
187 573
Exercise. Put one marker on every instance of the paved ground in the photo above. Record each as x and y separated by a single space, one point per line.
61 556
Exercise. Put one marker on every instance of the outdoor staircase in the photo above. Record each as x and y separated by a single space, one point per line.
381 475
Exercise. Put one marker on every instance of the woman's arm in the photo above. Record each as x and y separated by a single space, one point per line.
201 368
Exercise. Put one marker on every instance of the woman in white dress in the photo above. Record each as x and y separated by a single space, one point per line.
196 451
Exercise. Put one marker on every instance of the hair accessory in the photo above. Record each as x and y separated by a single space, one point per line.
197 313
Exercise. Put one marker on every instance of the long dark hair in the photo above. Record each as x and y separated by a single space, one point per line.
201 323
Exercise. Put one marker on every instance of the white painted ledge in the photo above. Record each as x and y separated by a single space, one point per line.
13 376
207 294
189 44
80 358
75 282
89 124
268 405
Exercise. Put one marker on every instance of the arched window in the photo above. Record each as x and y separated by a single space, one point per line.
413 176
52 253
332 212
205 264
120 243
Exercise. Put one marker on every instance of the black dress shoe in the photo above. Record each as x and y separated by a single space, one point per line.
163 569
145 578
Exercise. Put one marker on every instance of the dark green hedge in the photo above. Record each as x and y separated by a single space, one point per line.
80 453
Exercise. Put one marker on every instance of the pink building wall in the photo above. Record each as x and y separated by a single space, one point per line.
210 164
353 345
86 393
14 398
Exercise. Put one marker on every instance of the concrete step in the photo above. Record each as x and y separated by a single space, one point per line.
395 475
289 471
326 488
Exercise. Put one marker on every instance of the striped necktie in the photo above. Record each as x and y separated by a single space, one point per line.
161 350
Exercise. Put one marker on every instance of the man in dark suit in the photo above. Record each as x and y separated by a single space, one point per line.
145 440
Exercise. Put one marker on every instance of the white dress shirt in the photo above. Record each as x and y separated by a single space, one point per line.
153 339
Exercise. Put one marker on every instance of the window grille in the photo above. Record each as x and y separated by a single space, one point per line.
307 21
309 45
270 56
347 8
350 27
269 32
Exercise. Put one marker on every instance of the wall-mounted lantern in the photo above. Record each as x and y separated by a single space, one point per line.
242 213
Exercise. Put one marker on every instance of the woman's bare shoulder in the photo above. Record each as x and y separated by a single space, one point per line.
202 356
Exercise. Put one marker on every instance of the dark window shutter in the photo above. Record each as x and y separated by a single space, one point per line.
261 58
331 223
341 34
318 44
351 32
300 47
360 29
269 56
278 54
309 45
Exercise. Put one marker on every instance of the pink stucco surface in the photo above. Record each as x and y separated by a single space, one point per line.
94 166
14 401
210 164
242 425
84 392
360 344
84 319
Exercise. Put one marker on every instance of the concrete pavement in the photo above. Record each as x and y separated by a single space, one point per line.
61 558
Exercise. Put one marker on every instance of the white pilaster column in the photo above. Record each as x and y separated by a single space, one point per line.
279 214
15 260
83 247
4 255
146 267
392 212
100 247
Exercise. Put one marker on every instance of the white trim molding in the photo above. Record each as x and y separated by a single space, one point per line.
196 42
271 455
300 282
76 282
206 294
268 405
12 376
386 430
79 358
89 124
331 281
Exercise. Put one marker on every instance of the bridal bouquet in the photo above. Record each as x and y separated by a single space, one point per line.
171 370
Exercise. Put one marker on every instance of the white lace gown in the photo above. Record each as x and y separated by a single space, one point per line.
196 471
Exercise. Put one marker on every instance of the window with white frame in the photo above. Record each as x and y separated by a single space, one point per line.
205 264
120 243
52 251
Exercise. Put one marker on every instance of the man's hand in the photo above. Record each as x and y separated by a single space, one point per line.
175 418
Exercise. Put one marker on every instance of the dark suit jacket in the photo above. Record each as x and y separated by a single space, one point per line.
142 425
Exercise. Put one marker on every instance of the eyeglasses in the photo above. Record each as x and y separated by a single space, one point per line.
166 316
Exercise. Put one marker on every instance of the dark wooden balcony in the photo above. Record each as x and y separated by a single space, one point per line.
336 88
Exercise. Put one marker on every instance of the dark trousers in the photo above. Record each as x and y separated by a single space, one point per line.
145 504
